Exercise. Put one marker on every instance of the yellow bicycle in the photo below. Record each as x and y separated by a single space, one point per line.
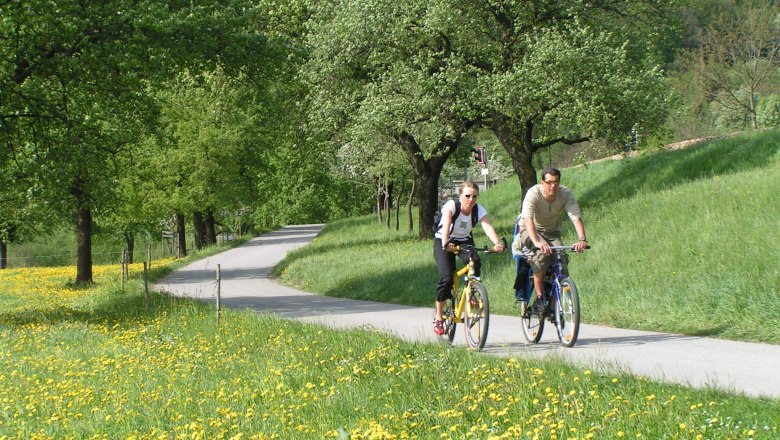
468 306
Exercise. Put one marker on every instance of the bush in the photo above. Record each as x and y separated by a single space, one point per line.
768 111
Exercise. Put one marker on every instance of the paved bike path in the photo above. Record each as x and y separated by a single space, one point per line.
689 360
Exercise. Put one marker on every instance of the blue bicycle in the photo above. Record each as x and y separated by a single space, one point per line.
561 300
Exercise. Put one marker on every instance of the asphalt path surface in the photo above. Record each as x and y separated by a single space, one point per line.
750 368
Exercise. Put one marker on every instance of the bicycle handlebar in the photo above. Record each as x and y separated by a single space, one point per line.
486 249
564 248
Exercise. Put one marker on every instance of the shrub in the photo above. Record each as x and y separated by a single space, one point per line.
768 111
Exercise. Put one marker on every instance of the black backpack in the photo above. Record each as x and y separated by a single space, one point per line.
437 217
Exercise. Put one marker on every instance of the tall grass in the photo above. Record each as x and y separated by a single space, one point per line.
682 241
97 364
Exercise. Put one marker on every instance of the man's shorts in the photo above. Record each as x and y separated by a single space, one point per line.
540 262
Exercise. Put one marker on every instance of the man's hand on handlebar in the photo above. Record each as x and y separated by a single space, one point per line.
580 246
499 247
544 247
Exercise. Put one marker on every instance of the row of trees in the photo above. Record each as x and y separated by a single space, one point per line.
231 112
131 114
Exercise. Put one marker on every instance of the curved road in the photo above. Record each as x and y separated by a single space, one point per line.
695 361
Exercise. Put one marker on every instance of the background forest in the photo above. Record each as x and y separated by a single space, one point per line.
126 122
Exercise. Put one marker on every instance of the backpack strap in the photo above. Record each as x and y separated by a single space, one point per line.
457 210
474 213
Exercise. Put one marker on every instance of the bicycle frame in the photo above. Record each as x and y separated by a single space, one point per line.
469 304
562 303
556 273
468 271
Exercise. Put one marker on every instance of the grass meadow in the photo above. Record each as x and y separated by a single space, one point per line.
97 364
683 241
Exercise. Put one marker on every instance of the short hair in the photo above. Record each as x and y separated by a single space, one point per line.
550 170
468 184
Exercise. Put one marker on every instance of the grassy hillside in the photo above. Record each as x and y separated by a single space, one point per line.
683 241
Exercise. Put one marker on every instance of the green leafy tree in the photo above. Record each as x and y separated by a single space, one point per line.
559 72
379 74
422 74
74 77
210 159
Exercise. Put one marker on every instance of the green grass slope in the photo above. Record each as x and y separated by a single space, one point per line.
682 241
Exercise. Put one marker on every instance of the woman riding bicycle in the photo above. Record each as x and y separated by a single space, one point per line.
541 226
457 221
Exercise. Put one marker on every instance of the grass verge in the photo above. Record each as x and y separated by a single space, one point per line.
97 364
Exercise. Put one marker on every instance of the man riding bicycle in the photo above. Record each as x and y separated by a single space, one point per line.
541 226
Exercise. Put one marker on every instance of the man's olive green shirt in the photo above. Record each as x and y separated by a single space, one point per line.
547 215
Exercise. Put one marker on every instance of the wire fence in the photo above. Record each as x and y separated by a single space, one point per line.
70 258
144 251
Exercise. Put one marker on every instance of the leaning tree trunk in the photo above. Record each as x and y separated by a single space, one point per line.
83 244
199 228
426 175
519 144
181 229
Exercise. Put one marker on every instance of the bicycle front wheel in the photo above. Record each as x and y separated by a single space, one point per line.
477 316
567 313
532 323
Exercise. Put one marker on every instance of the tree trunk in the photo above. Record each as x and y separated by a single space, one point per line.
427 173
753 114
83 244
518 142
199 227
428 201
410 220
398 206
3 254
181 238
388 201
378 181
211 228
130 242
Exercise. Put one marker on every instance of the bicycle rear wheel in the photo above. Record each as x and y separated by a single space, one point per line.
449 320
532 324
567 313
477 316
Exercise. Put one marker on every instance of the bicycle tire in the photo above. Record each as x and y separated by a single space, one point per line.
567 313
477 320
532 324
449 320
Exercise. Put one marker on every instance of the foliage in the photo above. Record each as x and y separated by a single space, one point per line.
768 111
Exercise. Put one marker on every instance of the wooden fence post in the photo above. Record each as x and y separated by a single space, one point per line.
219 286
146 289
122 266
